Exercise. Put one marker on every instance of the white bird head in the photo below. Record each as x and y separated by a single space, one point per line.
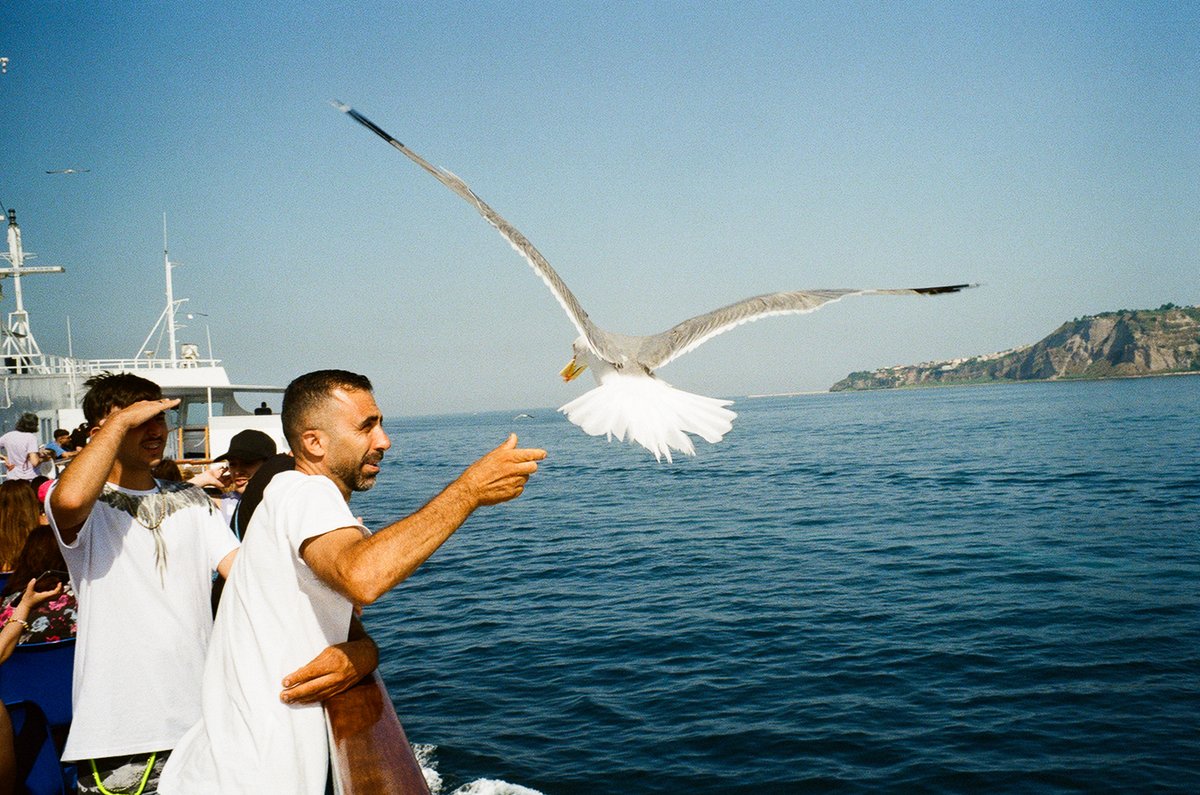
581 359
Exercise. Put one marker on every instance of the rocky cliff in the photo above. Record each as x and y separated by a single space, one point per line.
1108 345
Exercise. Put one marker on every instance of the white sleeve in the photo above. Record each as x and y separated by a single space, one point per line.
66 548
219 539
314 508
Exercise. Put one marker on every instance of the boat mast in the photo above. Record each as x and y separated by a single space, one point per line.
170 295
19 343
167 318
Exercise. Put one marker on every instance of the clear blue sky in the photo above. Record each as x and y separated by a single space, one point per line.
667 158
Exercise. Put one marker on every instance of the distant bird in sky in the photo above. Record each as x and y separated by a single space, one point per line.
69 171
630 401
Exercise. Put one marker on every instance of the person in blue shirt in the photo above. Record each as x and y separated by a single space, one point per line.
61 448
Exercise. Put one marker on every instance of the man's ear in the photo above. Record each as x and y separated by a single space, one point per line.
314 444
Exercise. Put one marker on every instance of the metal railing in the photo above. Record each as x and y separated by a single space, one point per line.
49 364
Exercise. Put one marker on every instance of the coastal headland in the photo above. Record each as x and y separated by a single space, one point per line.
1121 344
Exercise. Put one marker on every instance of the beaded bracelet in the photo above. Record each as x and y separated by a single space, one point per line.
15 620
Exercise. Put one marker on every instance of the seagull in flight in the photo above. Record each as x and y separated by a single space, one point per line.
69 171
630 401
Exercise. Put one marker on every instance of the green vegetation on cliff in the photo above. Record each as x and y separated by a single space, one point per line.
1108 345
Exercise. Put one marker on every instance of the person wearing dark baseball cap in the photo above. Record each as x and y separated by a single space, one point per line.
247 451
246 447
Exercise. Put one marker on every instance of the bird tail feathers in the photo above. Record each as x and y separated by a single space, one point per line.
652 413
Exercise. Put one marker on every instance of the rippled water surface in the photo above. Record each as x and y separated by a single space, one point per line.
957 590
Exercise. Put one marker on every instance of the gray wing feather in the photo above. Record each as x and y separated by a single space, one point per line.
566 299
660 349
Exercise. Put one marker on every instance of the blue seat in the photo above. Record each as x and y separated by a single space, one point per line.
41 673
38 769
35 684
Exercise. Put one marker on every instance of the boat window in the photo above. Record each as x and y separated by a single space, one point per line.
197 413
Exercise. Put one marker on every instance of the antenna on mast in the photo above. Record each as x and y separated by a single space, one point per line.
166 320
170 294
19 344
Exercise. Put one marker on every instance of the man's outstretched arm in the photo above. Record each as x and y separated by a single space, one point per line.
363 569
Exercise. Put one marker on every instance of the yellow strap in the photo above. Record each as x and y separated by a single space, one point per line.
141 786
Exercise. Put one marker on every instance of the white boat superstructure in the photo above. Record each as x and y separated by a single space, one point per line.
52 386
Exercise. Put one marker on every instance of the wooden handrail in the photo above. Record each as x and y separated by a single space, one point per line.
369 751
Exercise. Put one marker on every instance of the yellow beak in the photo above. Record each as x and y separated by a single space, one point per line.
572 370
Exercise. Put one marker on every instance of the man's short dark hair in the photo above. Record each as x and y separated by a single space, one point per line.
60 432
308 394
109 391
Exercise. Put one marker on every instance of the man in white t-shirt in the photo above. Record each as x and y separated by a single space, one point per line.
306 562
141 555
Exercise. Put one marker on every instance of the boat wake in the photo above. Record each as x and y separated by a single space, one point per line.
426 758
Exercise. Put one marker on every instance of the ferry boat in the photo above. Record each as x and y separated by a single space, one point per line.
369 752
51 386
369 749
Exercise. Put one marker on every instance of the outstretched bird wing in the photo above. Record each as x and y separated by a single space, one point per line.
566 299
659 349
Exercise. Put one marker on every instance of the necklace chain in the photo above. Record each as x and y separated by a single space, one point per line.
148 501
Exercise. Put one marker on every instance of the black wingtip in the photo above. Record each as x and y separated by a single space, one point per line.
948 288
364 121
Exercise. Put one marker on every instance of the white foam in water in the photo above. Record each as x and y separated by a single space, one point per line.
483 786
486 786
424 754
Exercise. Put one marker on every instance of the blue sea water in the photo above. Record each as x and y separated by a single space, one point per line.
987 589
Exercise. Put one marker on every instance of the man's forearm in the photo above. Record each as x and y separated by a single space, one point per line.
81 483
337 668
361 648
363 569
357 630
376 564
